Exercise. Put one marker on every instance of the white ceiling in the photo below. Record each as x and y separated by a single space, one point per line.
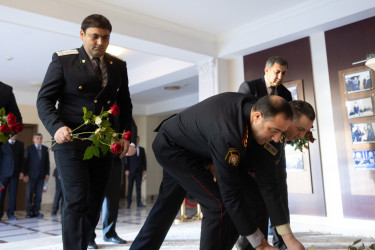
166 39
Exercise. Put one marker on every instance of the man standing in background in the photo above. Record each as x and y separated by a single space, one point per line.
135 168
11 164
36 172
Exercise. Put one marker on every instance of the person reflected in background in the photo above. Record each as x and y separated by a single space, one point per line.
35 174
135 168
11 165
58 198
370 132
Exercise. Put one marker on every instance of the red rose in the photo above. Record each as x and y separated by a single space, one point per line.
127 136
19 127
4 128
12 119
116 147
13 127
115 110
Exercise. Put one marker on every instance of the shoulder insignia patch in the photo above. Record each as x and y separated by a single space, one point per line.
233 157
67 52
270 148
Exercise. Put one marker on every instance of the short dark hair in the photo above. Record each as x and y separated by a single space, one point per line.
270 106
37 134
96 21
302 108
276 59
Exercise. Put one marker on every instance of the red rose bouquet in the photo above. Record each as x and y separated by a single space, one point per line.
301 143
104 138
8 125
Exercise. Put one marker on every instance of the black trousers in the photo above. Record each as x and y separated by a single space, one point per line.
34 191
10 183
58 199
83 184
184 171
111 200
137 178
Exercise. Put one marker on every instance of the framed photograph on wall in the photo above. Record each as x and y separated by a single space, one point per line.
296 89
364 159
358 81
363 132
359 107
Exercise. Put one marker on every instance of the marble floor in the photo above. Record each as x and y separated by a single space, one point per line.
45 233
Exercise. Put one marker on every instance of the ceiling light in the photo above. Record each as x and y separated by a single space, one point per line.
9 58
115 50
175 87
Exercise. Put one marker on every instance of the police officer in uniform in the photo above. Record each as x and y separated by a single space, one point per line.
219 130
84 77
270 84
266 168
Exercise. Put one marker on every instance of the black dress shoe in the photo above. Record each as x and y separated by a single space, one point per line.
38 215
11 217
140 205
28 216
92 245
116 240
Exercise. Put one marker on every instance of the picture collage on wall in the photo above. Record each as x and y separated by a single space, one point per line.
359 102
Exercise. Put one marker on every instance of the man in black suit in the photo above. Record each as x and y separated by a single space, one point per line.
219 130
135 168
11 165
36 172
58 198
270 84
84 77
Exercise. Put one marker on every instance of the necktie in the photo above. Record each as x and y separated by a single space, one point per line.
273 90
98 71
39 152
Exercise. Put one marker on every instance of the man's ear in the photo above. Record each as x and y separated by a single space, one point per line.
81 34
256 116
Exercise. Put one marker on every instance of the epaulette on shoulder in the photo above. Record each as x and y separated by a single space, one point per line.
116 57
67 52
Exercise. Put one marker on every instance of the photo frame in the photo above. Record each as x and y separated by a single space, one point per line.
360 107
364 159
357 81
294 160
296 88
363 132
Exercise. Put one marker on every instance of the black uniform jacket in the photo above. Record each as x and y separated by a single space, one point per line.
258 88
218 130
8 101
268 163
72 82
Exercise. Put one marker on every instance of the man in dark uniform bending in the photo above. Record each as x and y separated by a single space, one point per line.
218 130
85 77
266 169
270 84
